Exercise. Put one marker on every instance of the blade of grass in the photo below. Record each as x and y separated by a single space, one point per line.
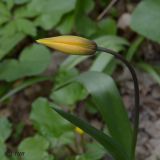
22 86
134 47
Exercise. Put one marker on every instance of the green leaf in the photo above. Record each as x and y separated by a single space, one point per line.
52 13
107 26
134 47
83 24
103 60
4 13
112 42
5 128
113 147
66 24
34 148
78 18
145 19
87 5
47 21
69 95
25 26
9 42
9 4
9 29
24 12
72 61
65 75
4 10
52 124
33 61
94 151
109 103
22 86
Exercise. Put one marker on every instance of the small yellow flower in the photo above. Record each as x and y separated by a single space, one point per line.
70 44
78 130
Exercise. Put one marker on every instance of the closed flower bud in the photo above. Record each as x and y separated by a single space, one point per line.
70 44
79 131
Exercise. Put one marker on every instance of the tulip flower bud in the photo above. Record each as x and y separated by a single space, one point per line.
70 44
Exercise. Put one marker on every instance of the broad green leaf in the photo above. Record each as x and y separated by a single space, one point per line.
103 60
4 13
106 27
22 86
4 10
64 75
61 6
88 5
48 122
52 13
77 18
109 103
83 24
9 3
24 12
9 29
66 24
47 21
107 142
8 43
25 26
33 60
34 148
5 129
145 19
94 151
70 94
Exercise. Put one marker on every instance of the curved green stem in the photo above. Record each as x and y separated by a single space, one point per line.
137 99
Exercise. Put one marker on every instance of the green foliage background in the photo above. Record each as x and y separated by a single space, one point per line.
24 63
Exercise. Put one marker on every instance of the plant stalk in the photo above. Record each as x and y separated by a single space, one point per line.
137 98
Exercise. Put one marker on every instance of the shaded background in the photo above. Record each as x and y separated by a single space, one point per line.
130 27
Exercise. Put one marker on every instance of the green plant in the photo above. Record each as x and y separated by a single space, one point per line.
119 145
23 64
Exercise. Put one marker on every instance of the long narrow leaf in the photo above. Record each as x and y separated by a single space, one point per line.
109 103
112 147
72 61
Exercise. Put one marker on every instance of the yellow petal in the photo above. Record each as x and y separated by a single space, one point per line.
70 44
